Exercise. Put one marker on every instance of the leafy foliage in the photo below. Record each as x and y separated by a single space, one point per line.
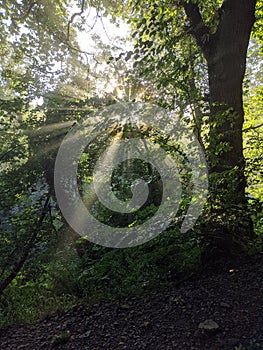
47 84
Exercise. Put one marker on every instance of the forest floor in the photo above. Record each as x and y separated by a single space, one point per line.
168 319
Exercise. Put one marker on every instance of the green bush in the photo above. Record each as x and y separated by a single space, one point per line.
22 303
121 272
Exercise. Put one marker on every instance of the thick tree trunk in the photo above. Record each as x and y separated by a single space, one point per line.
226 59
225 53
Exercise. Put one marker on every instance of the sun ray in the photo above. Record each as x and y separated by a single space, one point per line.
49 128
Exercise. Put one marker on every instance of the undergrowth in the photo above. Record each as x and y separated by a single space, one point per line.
83 272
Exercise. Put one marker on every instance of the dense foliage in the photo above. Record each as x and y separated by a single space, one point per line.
49 82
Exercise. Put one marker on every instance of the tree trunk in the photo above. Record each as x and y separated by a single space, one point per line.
226 58
225 53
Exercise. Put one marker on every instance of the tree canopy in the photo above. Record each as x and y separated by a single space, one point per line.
201 59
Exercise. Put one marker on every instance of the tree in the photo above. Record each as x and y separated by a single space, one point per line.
39 56
198 55
32 41
225 52
164 33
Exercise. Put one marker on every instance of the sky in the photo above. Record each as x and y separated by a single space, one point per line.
101 26
110 34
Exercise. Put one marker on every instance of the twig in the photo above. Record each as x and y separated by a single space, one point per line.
104 28
93 25
253 127
73 17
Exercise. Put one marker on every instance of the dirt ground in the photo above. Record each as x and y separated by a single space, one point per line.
217 310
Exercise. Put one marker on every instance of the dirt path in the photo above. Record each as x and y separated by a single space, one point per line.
166 320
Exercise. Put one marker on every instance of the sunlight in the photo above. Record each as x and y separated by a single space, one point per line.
52 146
101 33
100 27
50 128
38 101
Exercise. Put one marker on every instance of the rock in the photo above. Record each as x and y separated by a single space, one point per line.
85 335
208 324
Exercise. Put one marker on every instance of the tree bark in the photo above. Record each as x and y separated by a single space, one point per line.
226 59
225 52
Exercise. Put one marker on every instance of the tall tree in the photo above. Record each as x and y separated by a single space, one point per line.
164 33
225 51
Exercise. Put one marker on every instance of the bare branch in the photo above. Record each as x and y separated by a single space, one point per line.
93 25
104 28
73 17
68 43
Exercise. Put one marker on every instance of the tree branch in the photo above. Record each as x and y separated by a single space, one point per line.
18 266
2 156
253 127
198 28
73 17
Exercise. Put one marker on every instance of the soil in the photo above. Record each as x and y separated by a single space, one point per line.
230 301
